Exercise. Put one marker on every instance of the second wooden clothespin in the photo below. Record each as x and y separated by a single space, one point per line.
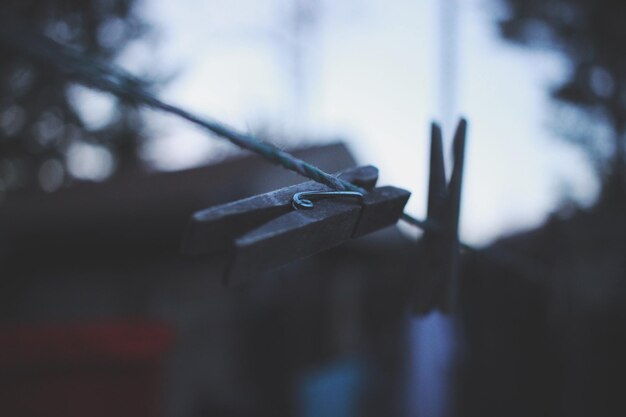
272 229
436 286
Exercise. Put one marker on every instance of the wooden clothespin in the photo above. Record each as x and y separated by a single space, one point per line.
272 229
437 283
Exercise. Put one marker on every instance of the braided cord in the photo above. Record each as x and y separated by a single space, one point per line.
105 77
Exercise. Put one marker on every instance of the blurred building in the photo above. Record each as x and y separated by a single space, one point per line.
99 264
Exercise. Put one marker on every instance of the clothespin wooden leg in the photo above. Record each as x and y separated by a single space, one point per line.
450 289
425 283
437 173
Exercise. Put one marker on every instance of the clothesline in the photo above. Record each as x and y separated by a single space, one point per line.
95 73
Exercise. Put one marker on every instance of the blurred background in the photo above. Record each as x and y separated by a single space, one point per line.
101 315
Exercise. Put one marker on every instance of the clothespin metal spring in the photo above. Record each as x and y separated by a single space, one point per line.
304 200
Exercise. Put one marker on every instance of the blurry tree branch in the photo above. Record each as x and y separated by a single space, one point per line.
591 35
45 140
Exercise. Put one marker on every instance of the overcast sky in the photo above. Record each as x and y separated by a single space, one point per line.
369 75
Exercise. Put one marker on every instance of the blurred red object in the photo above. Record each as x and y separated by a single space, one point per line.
103 369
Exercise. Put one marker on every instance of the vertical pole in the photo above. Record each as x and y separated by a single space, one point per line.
304 19
433 337
448 62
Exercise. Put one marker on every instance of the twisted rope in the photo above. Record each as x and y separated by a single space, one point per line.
100 75
105 77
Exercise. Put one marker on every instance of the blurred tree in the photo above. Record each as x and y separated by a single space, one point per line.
46 139
591 35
